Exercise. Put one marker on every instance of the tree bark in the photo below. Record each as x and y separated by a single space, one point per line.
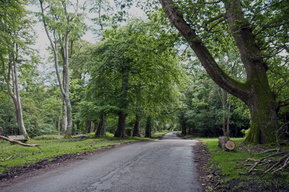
136 128
18 104
120 131
226 106
64 84
148 128
256 92
100 131
123 102
12 80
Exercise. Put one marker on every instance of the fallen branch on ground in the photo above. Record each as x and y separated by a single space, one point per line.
274 163
18 142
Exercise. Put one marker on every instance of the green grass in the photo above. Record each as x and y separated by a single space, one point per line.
232 168
227 162
52 146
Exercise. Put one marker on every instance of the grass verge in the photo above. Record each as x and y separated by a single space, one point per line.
232 171
52 147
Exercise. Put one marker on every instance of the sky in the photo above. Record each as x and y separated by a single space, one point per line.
42 42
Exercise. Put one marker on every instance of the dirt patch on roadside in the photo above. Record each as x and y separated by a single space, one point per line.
208 176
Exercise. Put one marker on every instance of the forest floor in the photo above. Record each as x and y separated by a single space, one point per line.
17 160
221 171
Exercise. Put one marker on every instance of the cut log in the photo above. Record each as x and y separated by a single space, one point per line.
222 141
226 144
230 145
18 142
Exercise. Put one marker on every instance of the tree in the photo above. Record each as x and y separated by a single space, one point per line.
136 71
62 23
255 91
13 41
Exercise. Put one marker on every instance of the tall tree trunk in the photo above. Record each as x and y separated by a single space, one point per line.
255 92
261 102
148 128
64 83
136 128
124 101
120 131
12 80
226 106
19 112
100 131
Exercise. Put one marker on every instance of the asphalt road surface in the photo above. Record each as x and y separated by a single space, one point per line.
159 166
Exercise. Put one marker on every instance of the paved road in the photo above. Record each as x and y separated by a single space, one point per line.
160 166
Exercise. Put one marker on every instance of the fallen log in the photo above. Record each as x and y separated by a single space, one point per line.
18 142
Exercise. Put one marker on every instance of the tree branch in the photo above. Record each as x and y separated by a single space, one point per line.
245 40
219 18
231 85
18 142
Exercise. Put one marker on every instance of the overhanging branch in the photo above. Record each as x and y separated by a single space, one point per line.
231 85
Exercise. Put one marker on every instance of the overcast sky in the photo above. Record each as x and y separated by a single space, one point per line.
42 42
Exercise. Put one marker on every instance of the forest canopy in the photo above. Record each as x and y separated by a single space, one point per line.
206 68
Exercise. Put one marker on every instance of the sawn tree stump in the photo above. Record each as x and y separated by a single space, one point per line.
226 144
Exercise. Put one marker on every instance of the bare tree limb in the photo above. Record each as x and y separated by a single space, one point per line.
18 142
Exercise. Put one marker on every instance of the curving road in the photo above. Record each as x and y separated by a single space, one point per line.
160 166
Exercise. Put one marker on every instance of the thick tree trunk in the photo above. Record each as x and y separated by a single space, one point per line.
120 131
136 127
148 128
262 102
256 92
100 131
264 122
